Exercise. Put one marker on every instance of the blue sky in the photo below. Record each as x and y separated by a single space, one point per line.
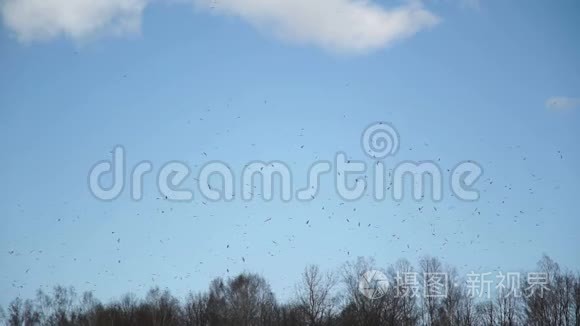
496 82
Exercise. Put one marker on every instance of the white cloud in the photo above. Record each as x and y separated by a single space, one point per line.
33 20
337 25
562 103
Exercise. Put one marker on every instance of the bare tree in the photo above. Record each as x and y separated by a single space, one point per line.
430 267
15 314
245 300
406 289
163 307
315 295
486 313
450 312
508 311
2 315
576 301
360 310
196 311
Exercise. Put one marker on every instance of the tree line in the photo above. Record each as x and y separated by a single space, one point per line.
320 299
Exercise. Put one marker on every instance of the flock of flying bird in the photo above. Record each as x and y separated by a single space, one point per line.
443 229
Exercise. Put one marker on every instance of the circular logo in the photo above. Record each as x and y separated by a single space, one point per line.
380 140
373 284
